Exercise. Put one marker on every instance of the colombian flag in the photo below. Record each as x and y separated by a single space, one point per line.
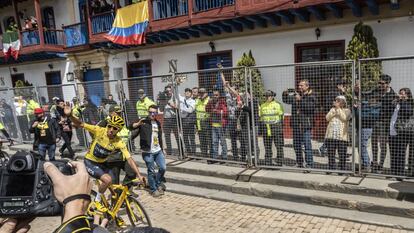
130 25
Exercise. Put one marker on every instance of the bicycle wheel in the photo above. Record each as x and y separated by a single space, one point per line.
136 213
4 158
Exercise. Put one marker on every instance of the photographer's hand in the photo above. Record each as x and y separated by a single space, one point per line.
66 186
10 225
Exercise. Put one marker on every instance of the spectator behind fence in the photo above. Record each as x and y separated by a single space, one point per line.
381 132
90 112
303 112
336 137
402 132
203 122
188 115
246 124
20 105
271 116
232 98
170 124
369 107
52 109
194 93
217 109
143 104
7 118
31 105
46 134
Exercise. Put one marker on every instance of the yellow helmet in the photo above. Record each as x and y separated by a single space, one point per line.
116 121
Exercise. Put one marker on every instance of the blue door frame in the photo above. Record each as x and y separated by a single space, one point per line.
95 91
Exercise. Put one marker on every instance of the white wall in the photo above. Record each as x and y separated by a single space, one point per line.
395 38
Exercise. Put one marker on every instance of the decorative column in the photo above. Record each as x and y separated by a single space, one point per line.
39 21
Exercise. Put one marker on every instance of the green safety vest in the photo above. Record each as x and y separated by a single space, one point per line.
270 113
201 114
142 107
31 105
1 126
124 134
76 111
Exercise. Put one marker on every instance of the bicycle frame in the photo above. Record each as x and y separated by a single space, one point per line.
120 199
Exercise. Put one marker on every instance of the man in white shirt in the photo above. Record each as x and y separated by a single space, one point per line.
187 111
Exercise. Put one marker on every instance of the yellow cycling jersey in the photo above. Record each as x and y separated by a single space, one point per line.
102 146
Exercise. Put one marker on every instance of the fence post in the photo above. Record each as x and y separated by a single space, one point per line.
249 158
256 156
121 96
85 136
359 117
178 117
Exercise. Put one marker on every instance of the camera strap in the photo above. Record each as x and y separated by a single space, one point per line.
75 197
76 224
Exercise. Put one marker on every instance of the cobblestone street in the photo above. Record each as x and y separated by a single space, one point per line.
181 213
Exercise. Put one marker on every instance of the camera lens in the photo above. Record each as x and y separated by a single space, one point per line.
18 165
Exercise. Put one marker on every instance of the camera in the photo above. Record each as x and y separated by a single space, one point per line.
25 188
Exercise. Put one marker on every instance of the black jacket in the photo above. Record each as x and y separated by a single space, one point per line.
303 111
387 105
53 127
145 132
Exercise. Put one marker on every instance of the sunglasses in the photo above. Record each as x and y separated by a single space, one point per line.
113 127
382 83
153 113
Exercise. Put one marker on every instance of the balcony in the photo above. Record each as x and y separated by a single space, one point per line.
102 22
203 5
163 9
76 35
51 37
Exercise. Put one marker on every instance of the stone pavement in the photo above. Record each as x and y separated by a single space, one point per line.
181 213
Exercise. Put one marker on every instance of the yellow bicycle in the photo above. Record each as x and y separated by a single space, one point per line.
121 201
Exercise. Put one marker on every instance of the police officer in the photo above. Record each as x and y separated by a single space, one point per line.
271 115
143 104
203 121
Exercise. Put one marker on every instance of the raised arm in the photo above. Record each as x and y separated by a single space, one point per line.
76 121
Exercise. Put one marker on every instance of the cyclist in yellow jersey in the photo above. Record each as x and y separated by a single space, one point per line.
105 142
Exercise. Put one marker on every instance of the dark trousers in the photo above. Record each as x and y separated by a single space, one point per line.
379 140
398 148
24 127
80 136
116 167
67 138
232 129
332 147
273 134
204 136
170 126
303 138
189 136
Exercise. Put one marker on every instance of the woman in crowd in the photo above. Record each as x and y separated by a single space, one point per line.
400 135
337 137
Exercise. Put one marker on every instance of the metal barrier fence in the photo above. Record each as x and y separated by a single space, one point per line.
300 123
386 116
220 115
141 92
209 121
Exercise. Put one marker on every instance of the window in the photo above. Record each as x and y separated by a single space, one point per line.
49 18
54 78
16 77
209 79
136 70
322 77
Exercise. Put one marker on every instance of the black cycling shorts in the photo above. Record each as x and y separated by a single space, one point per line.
97 170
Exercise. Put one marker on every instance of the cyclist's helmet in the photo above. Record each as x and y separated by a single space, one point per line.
116 121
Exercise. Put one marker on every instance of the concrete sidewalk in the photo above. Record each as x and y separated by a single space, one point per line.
369 200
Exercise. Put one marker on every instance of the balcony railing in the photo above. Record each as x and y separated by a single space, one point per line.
76 34
102 22
30 37
53 37
203 5
169 8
